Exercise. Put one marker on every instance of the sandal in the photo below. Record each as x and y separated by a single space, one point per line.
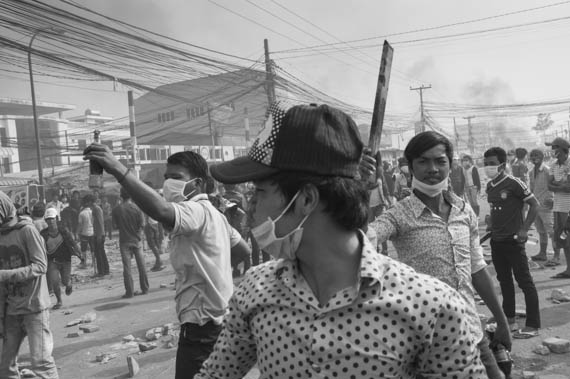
561 275
552 263
525 335
57 306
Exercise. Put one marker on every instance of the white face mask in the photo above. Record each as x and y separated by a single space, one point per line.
405 169
173 190
492 171
431 190
279 247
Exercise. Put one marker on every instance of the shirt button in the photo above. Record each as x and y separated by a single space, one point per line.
316 367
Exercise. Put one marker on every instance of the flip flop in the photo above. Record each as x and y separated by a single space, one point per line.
561 275
552 263
525 335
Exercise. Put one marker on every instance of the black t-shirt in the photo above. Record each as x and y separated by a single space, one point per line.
506 199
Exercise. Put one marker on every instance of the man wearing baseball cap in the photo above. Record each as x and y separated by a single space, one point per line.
559 184
329 305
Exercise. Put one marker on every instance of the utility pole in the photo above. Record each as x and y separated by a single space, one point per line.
421 90
470 142
134 144
270 84
210 126
456 135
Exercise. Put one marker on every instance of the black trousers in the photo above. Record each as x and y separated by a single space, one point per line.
195 344
509 257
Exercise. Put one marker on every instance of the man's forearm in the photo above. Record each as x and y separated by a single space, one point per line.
483 284
530 216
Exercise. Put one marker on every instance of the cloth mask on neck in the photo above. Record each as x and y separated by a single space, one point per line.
431 190
279 247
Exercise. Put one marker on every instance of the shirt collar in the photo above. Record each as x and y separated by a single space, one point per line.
419 206
198 197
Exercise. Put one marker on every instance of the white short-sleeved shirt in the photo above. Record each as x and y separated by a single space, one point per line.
200 244
560 173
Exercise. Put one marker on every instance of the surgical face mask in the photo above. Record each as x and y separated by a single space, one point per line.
405 169
173 190
492 171
279 247
431 190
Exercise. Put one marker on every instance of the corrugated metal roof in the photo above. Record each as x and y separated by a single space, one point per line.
9 182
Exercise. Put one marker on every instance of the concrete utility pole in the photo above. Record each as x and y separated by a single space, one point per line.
470 143
270 84
456 135
134 145
421 90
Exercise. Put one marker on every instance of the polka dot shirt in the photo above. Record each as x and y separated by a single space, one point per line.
396 323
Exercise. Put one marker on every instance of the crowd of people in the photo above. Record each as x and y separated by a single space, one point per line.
306 218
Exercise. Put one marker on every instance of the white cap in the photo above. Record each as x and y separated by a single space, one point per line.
50 213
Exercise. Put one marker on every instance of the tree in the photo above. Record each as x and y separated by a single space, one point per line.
543 122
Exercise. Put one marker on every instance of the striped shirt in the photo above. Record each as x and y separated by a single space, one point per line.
561 173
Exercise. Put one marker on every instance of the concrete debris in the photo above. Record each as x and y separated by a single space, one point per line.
106 357
128 338
88 317
77 321
158 330
169 345
167 328
67 312
528 375
560 296
151 335
541 350
74 334
146 346
89 328
163 285
133 366
557 345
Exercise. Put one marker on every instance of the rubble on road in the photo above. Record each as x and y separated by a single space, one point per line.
557 345
559 296
128 338
106 357
77 321
74 334
146 346
89 328
133 366
541 350
88 317
528 375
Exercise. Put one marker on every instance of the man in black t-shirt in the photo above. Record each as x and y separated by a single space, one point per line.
507 196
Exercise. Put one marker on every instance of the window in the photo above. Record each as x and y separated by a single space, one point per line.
152 154
3 138
160 117
6 165
81 144
142 154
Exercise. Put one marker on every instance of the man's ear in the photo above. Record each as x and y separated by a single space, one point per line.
310 199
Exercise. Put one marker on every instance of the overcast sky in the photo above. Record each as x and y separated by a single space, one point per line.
513 65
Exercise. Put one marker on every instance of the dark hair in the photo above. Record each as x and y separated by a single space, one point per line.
520 152
191 161
537 152
345 199
39 209
88 199
424 141
124 194
498 152
467 157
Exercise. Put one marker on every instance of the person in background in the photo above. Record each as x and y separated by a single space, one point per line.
403 180
436 233
107 217
389 179
201 244
130 222
64 202
70 220
75 201
472 182
507 197
456 177
60 247
38 210
329 305
25 300
544 220
86 232
101 263
519 167
55 203
559 184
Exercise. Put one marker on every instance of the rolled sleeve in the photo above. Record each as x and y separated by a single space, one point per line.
477 259
385 226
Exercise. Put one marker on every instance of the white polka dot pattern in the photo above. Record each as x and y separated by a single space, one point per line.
262 149
397 324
